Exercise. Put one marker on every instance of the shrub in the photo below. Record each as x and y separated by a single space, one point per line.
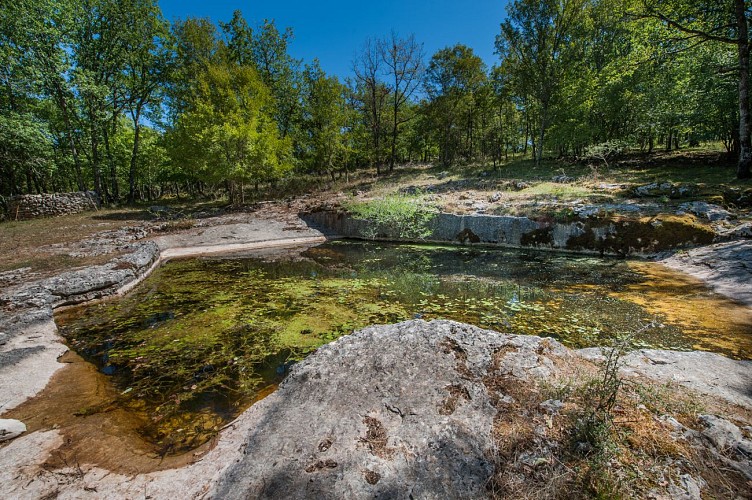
605 151
406 216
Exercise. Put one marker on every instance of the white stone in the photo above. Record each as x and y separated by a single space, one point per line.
10 429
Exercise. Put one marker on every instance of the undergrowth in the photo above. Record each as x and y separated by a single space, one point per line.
405 216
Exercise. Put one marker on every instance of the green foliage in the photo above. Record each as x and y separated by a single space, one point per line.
25 150
605 151
408 216
592 430
455 83
226 133
575 78
592 433
325 115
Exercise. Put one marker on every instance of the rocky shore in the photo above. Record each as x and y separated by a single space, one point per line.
391 411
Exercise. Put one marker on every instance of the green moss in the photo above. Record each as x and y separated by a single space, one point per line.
626 236
542 237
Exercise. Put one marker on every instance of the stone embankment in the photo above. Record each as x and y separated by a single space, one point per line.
622 236
32 206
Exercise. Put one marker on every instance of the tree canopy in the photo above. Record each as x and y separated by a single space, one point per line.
108 95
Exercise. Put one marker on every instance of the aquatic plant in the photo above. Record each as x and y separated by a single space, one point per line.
201 339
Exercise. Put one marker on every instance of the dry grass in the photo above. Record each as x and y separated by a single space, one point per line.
539 455
27 243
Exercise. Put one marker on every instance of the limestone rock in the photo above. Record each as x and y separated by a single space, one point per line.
740 231
688 488
10 429
667 189
705 210
723 434
393 411
727 267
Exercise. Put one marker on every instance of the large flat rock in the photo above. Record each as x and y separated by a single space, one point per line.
393 411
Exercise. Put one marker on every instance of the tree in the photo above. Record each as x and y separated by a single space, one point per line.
538 44
371 94
280 72
36 41
25 153
325 118
194 48
453 81
724 22
403 58
226 133
99 37
145 72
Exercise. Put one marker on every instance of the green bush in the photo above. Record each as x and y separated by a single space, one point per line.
406 216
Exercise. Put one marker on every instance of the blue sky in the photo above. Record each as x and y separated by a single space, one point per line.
334 30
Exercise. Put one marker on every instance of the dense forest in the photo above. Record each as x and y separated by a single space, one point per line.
107 95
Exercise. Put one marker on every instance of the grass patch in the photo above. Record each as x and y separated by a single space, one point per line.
564 191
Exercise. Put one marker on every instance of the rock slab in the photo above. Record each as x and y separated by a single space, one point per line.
392 411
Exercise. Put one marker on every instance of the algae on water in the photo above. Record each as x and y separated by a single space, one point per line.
200 339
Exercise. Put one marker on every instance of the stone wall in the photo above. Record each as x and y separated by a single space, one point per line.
642 236
32 206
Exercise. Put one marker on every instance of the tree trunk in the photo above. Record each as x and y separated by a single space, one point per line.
394 135
134 156
63 104
745 142
96 171
541 134
111 163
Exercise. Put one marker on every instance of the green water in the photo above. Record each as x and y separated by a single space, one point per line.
197 341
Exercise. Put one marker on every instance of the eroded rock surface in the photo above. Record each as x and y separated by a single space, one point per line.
704 372
10 428
390 412
726 267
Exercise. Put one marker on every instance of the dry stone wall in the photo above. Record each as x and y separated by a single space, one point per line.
32 206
